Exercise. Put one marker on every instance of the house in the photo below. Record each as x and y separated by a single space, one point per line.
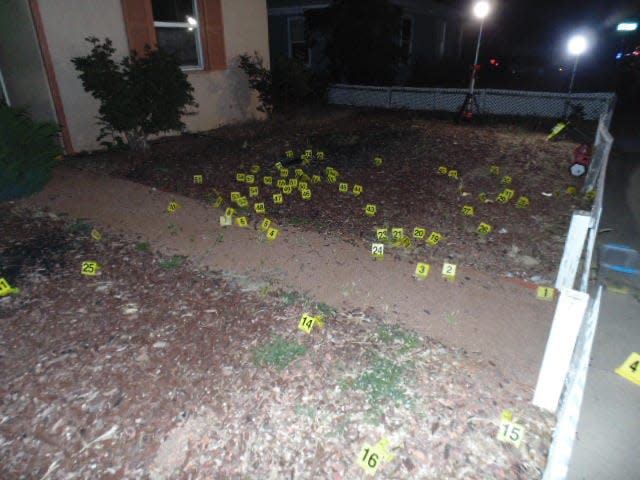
38 38
429 31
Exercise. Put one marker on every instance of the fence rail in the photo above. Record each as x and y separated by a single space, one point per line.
490 101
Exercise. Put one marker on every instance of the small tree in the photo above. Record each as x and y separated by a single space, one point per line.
140 96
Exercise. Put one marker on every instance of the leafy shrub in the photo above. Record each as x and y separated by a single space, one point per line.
140 96
28 151
287 84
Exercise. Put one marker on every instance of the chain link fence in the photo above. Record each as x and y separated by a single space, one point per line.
491 102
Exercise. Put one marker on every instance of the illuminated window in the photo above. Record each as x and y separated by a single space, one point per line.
177 27
298 47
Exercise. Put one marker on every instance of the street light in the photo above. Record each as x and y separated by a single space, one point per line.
577 46
480 10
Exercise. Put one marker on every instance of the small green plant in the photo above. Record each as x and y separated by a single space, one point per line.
143 246
28 152
325 309
290 298
278 352
139 96
393 333
172 263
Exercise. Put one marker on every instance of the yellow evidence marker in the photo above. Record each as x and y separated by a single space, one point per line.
357 189
494 170
506 180
331 178
230 212
287 189
370 210
320 155
545 293
264 226
453 174
217 202
277 198
306 323
559 127
396 234
449 271
571 190
197 179
258 207
509 193
235 196
293 182
468 211
240 177
371 457
630 369
381 234
96 235
255 169
284 173
172 207
419 233
226 220
90 268
316 179
522 202
484 229
242 222
377 250
422 270
442 170
6 288
590 195
268 180
289 154
434 239
306 194
406 242
377 161
281 183
502 197
509 431
272 234
254 191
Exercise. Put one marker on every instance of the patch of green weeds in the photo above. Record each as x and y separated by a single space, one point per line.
278 352
143 246
290 298
393 333
80 226
172 263
325 309
220 238
299 221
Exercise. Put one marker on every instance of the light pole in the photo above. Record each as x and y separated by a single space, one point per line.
576 47
480 10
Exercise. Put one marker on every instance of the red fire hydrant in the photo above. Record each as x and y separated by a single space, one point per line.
581 160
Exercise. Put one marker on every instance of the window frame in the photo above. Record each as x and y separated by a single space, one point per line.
198 36
290 41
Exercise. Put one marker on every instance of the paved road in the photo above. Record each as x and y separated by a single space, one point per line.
608 439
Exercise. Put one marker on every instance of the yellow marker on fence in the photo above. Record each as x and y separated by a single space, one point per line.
434 239
306 323
484 228
377 250
268 180
272 234
259 207
545 293
240 177
468 211
422 270
357 189
381 234
370 210
197 179
172 207
449 271
630 369
419 233
96 235
90 268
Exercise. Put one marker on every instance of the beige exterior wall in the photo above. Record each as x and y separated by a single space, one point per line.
21 61
223 96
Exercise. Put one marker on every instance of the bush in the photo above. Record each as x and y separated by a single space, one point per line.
287 84
28 151
140 96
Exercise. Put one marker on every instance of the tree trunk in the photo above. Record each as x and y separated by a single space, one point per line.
137 141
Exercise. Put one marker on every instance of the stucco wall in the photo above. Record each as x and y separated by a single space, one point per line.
223 96
21 61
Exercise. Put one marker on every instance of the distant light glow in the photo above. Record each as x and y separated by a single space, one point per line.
627 26
577 45
192 21
481 9
619 55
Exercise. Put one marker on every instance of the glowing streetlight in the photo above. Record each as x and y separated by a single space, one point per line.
577 46
480 10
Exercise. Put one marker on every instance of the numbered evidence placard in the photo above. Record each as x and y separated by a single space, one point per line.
377 250
422 270
90 268
510 431
371 458
449 271
630 369
6 288
545 293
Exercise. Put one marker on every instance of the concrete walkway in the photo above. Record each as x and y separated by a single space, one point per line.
608 441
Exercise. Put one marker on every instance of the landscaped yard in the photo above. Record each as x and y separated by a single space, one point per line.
159 367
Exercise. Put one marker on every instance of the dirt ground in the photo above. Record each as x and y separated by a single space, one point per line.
168 363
